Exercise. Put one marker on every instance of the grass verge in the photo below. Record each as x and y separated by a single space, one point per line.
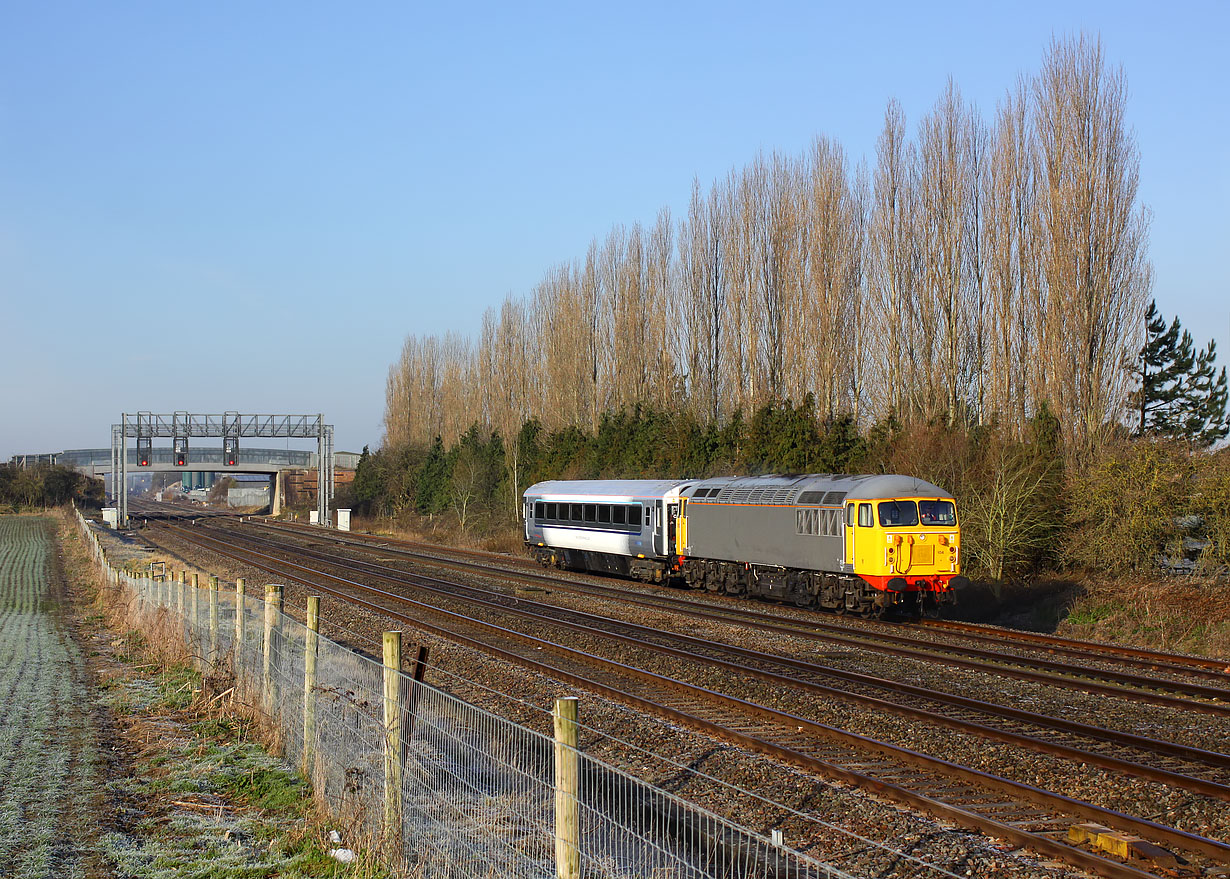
198 794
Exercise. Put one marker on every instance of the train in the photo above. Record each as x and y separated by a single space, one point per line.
866 545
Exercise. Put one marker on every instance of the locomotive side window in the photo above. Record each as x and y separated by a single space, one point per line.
937 513
864 515
898 514
849 515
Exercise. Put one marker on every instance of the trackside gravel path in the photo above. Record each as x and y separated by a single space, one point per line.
48 745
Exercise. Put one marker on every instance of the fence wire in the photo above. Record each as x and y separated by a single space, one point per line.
477 796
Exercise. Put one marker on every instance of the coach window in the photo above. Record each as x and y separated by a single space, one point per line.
864 515
604 514
619 514
576 512
634 515
549 511
538 509
591 514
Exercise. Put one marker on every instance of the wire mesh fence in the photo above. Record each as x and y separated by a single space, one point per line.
444 787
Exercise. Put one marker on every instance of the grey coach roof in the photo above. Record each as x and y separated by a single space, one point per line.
602 487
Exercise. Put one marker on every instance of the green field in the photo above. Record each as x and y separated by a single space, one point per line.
48 750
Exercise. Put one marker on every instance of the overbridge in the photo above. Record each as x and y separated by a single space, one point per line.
182 456
99 462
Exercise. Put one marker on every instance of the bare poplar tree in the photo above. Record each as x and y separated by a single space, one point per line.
1093 237
860 336
833 251
944 190
661 331
702 257
893 262
1015 291
740 356
976 259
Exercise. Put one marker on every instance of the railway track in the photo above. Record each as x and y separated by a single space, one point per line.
974 799
1188 687
1203 772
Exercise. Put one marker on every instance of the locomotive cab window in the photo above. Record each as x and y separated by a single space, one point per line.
939 513
850 515
898 514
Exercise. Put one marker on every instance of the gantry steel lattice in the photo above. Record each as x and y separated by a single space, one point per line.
180 426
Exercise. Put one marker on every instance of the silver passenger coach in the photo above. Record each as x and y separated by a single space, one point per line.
617 526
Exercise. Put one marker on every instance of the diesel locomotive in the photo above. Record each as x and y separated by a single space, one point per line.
865 545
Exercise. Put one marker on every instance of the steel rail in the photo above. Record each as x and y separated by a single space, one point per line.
1214 669
1146 689
1056 803
592 622
1141 656
1210 669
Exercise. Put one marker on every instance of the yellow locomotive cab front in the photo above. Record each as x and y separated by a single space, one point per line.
910 544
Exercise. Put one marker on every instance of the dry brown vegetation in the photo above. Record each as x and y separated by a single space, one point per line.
1163 613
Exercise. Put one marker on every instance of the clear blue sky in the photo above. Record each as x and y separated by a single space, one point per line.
249 205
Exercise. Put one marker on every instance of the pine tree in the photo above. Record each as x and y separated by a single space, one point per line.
1181 396
1203 402
1161 371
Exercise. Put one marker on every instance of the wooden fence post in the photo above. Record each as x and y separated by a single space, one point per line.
311 644
567 787
213 619
241 620
192 596
271 645
393 759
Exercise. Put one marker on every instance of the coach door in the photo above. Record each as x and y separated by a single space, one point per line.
672 532
849 535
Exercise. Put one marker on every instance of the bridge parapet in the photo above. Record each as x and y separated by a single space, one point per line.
200 459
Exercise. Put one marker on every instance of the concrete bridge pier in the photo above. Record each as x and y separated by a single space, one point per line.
277 491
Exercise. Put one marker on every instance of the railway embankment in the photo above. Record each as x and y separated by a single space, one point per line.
113 766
